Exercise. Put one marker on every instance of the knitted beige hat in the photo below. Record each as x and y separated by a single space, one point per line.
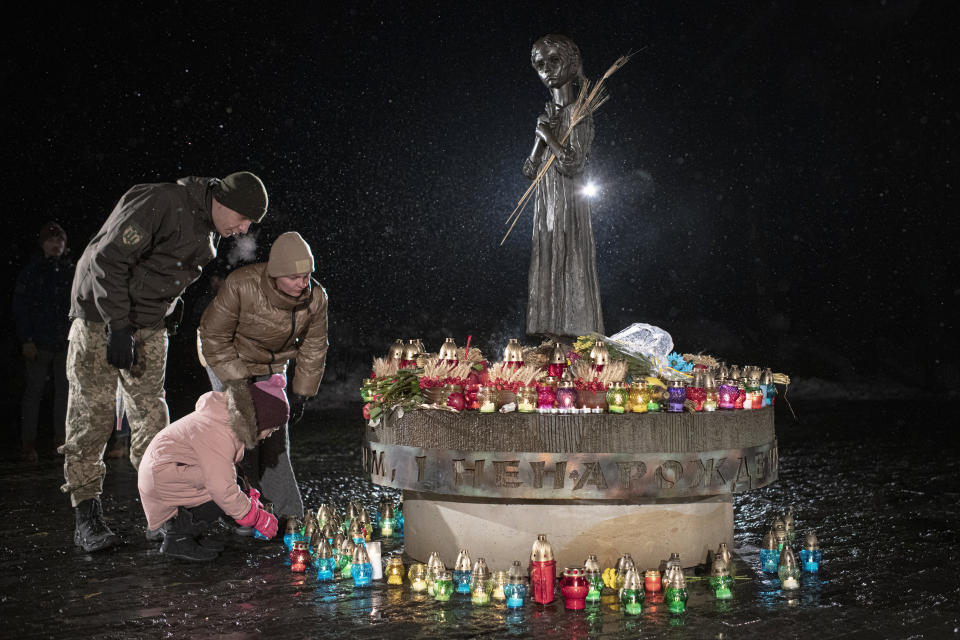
289 255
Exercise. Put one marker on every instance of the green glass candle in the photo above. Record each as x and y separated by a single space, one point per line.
631 594
591 570
720 578
675 594
443 586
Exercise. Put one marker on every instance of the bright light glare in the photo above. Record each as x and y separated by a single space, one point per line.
591 189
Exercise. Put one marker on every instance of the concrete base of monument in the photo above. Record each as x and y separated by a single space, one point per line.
502 531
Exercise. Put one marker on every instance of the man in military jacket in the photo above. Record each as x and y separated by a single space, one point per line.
125 292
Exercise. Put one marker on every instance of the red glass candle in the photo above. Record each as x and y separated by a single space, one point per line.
547 393
470 396
556 369
652 580
741 398
299 556
574 588
543 578
697 395
543 571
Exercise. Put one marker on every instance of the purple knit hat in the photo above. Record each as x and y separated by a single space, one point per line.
270 402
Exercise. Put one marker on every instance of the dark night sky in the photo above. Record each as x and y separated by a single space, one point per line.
778 178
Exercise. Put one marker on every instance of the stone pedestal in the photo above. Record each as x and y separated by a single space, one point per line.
502 532
647 484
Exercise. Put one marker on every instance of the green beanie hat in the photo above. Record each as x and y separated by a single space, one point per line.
290 255
244 193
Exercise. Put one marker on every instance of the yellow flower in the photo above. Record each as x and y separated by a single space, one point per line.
610 578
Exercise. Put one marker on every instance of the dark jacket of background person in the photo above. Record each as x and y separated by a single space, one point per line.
41 302
251 328
155 243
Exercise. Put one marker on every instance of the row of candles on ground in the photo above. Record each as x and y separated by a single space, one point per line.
776 554
579 587
726 388
355 526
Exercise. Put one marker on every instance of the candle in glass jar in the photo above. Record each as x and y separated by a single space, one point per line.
417 575
727 395
487 399
676 395
638 397
566 396
652 580
617 397
527 399
547 394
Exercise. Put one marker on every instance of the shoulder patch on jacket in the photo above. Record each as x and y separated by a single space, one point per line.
131 235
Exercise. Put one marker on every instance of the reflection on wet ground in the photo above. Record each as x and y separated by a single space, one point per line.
878 483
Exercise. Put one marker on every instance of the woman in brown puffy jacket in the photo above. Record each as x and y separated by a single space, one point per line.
263 316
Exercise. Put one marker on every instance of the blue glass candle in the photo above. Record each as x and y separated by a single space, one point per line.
516 587
676 396
360 568
811 555
516 593
292 533
462 572
324 561
769 389
398 520
770 552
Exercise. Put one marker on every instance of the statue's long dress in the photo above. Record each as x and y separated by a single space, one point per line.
564 292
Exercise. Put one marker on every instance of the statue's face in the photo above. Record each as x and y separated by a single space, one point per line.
552 66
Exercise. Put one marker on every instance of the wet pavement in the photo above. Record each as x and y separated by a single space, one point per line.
879 483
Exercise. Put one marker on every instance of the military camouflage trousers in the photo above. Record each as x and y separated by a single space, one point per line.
93 403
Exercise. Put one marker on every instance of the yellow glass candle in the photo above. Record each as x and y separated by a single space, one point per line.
394 570
638 397
417 575
498 582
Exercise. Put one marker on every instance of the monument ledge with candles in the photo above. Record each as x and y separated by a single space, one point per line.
648 484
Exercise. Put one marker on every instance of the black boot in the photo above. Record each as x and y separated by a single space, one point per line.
205 525
92 533
179 539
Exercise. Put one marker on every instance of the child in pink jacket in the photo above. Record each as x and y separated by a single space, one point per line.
188 478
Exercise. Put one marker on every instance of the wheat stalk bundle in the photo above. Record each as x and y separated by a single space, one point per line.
385 367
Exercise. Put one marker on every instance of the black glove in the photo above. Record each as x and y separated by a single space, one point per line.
120 347
174 318
297 404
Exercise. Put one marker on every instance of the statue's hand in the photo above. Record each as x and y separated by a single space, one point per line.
544 132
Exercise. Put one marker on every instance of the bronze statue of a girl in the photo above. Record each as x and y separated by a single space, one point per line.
564 292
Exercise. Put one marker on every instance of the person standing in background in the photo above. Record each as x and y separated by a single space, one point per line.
41 304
